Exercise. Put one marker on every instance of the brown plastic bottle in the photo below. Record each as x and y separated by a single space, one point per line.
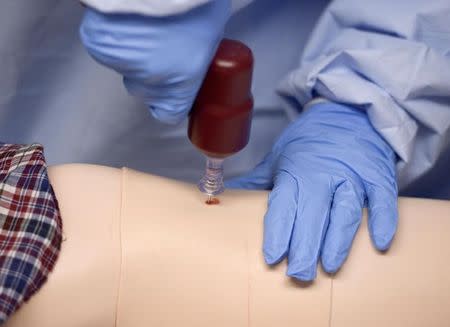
220 120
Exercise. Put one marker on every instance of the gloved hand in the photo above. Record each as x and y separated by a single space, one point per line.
163 59
322 169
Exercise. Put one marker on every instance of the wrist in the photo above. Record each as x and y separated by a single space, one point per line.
342 120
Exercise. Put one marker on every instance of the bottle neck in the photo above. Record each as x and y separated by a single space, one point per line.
212 181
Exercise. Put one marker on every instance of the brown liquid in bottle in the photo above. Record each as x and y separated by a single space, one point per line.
220 120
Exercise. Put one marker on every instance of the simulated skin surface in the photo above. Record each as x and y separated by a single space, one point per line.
142 250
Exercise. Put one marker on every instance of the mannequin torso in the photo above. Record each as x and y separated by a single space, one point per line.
142 250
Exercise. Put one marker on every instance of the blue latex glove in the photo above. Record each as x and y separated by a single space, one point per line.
322 169
163 59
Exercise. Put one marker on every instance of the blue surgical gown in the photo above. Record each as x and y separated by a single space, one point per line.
391 59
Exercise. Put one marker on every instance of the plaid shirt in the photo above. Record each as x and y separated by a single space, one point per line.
30 225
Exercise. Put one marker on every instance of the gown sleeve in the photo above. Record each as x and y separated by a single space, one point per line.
391 59
154 7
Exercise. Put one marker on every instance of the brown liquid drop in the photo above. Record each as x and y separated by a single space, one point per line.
212 201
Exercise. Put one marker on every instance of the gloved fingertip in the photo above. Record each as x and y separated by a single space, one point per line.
306 275
383 226
382 241
301 270
332 263
271 257
383 215
170 117
84 33
278 223
271 260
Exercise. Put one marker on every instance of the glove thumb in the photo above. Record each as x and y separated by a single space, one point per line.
259 178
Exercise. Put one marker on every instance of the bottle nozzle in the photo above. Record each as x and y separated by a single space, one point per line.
212 182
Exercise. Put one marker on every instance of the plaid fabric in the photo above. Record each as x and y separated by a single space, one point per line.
30 225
